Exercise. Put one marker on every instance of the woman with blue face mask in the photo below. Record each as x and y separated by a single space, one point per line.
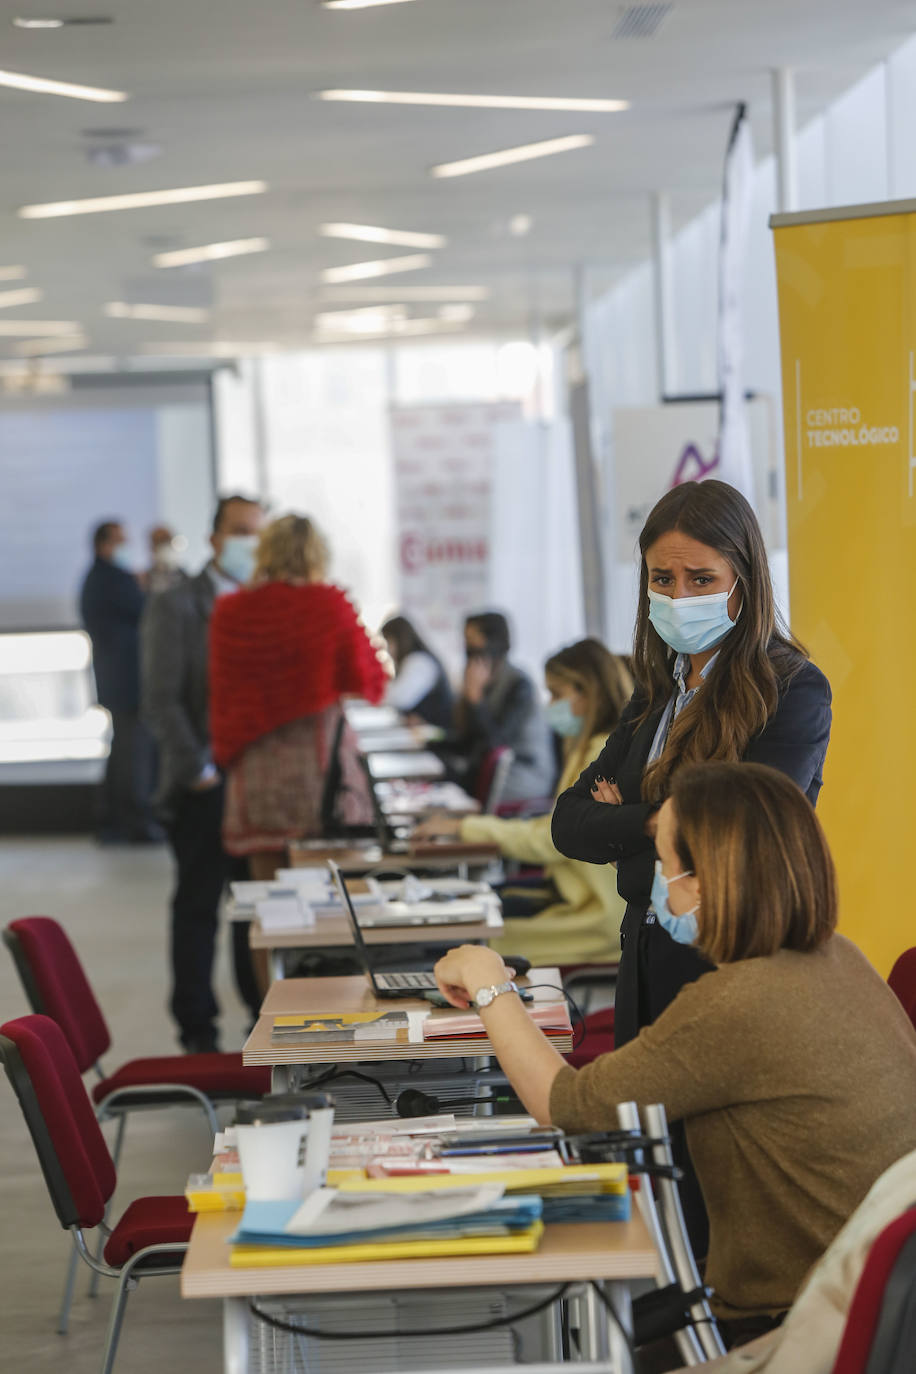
718 677
790 1064
572 916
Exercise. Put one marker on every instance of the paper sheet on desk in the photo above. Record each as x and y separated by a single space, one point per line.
284 913
328 1212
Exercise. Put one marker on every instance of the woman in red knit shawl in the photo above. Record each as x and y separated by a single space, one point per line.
284 651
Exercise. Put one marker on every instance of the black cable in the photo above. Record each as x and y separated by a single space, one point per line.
627 1338
335 1072
280 1325
577 1015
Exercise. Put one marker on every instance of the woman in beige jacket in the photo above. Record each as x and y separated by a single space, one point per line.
579 919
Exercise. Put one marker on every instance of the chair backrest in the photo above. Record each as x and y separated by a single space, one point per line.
866 1311
492 777
57 986
71 1148
902 981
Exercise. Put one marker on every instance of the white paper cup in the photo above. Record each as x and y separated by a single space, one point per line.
272 1155
284 1145
318 1151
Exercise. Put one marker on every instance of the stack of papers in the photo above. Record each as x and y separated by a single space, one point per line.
390 1027
332 1226
552 1017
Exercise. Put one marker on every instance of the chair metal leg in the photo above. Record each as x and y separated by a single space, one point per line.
115 1321
103 1234
63 1318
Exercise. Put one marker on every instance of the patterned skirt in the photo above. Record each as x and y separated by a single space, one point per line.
275 789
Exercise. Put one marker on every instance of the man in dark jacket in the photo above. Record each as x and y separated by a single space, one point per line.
111 604
174 656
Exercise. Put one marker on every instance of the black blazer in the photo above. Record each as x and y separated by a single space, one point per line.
794 740
111 604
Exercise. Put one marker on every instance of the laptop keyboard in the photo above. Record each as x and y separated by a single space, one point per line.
407 980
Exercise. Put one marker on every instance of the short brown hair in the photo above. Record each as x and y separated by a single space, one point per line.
291 547
767 880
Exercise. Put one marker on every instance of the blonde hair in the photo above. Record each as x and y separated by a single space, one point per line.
291 549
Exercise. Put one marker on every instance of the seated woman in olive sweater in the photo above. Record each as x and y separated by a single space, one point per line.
791 1063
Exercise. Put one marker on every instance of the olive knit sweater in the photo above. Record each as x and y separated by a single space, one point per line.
796 1078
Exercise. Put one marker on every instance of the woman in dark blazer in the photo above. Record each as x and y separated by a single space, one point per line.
717 677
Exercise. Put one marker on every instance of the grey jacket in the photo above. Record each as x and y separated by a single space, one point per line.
173 681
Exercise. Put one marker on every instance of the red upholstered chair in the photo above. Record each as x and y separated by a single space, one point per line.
598 1038
902 981
492 776
56 986
875 1337
152 1235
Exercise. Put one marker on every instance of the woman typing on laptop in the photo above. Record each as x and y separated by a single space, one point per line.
791 1062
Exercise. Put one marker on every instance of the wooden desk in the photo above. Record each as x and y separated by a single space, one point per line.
330 932
605 1250
612 1255
304 996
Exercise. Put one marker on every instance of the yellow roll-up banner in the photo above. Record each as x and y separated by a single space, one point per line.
847 316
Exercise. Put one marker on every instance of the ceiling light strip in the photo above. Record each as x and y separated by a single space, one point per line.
27 296
360 4
526 152
371 233
572 104
39 85
358 271
178 314
13 273
211 252
344 295
23 329
142 199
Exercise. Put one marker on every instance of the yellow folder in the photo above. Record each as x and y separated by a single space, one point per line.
275 1256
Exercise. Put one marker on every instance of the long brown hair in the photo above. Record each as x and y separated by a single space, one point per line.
767 880
604 680
755 659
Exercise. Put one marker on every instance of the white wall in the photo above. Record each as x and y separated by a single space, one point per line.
860 150
309 431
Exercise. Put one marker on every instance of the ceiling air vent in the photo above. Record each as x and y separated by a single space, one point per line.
640 21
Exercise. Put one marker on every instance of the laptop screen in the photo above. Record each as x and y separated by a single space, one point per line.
362 949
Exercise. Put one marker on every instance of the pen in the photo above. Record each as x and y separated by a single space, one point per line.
516 1148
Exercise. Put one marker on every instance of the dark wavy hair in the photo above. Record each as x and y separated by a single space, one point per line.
756 658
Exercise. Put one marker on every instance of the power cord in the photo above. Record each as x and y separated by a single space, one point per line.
615 1315
335 1072
322 1335
577 1017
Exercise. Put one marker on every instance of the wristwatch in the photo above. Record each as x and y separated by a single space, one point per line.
484 996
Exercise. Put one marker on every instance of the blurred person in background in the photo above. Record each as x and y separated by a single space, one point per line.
190 793
574 915
111 604
499 708
284 654
420 687
165 568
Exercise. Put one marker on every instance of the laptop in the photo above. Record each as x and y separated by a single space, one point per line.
386 985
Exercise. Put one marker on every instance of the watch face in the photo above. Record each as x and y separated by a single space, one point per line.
485 997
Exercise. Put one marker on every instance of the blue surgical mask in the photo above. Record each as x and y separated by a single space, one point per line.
690 624
560 717
121 558
683 928
236 559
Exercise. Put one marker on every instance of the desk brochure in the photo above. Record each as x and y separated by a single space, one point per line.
390 1027
329 1217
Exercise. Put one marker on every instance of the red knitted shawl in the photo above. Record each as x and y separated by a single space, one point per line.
280 652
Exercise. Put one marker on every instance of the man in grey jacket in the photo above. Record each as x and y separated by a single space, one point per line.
174 704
